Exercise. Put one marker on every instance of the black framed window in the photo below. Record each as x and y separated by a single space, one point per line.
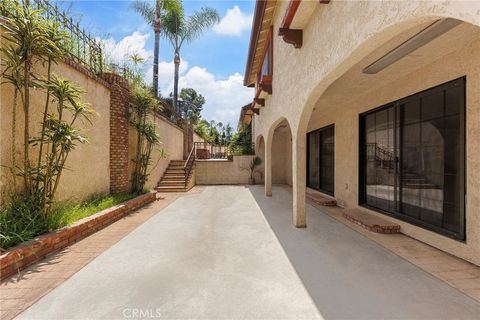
412 159
320 157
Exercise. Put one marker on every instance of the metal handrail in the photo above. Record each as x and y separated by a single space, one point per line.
187 168
214 151
377 151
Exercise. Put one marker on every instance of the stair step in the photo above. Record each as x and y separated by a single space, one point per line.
171 183
173 179
171 189
419 186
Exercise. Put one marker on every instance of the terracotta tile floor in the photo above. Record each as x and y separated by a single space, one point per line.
21 291
458 273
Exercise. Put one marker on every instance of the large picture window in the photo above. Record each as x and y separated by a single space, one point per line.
321 149
412 159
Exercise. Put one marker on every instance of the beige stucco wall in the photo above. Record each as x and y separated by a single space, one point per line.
171 138
87 170
210 172
282 157
339 36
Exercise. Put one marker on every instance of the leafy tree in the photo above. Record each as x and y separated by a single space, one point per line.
179 29
241 142
33 40
153 15
192 105
228 132
201 128
145 105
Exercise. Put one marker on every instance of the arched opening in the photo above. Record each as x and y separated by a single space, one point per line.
282 153
260 152
401 134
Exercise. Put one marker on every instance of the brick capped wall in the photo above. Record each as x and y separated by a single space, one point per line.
119 101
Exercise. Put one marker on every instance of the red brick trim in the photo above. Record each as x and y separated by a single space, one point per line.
119 125
25 254
322 201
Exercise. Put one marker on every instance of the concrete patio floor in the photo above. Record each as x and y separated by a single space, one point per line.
230 252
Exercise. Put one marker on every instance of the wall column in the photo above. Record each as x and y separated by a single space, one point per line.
119 125
299 162
268 165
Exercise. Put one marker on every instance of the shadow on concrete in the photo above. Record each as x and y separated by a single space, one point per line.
349 276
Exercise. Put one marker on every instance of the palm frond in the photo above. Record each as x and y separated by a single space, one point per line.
198 22
172 24
145 9
173 6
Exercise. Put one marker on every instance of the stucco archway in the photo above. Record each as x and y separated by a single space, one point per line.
367 50
278 155
260 152
346 92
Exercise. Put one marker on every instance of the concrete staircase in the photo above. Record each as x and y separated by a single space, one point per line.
173 179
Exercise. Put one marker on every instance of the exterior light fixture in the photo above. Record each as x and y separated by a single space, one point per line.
428 34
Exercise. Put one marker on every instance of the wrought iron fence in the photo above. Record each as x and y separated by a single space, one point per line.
81 46
86 50
171 115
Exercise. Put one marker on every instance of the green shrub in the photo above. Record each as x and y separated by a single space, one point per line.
19 222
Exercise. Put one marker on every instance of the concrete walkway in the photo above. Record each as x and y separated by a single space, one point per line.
216 255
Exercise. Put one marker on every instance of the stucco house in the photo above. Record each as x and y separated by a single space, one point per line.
376 104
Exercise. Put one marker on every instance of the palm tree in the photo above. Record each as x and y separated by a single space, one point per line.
152 14
136 59
179 29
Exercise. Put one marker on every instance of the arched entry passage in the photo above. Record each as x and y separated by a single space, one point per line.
278 163
260 152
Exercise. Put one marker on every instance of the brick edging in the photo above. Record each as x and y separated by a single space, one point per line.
394 228
23 255
322 201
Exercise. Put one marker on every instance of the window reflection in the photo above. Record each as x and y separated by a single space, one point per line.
413 158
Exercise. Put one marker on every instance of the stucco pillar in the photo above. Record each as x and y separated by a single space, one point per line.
268 166
299 163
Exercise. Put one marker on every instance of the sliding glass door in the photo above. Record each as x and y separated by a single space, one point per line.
412 159
320 156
